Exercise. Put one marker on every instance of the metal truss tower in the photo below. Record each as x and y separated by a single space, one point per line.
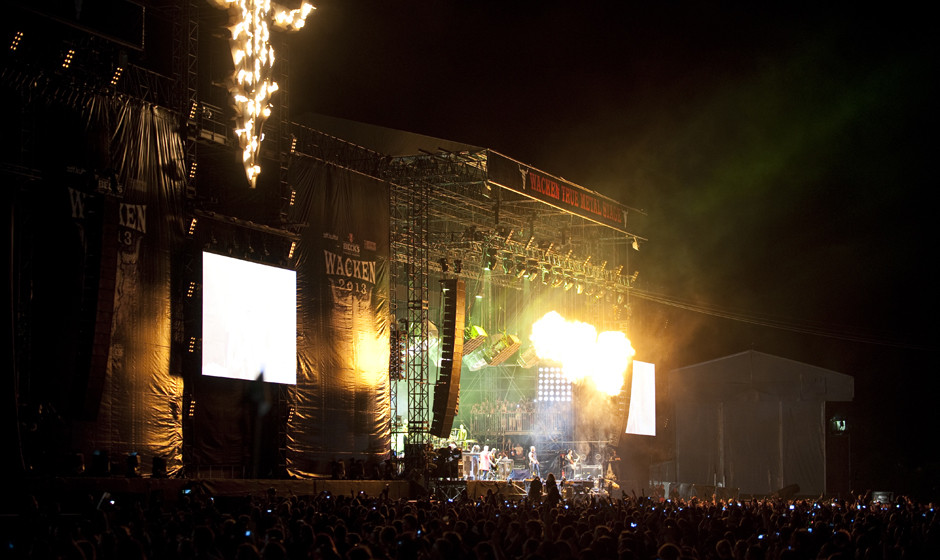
409 208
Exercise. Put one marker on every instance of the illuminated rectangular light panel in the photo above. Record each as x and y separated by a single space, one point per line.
642 417
249 320
553 386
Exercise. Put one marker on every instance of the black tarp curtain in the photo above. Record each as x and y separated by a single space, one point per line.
113 178
341 401
94 236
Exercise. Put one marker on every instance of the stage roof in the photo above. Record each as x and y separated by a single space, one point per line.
388 141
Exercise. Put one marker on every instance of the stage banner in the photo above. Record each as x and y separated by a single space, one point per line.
564 195
141 396
341 400
113 201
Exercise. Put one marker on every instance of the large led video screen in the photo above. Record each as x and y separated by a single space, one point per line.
642 417
249 320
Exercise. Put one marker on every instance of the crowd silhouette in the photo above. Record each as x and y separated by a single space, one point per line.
542 525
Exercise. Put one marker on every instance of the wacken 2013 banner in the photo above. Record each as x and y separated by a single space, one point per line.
342 393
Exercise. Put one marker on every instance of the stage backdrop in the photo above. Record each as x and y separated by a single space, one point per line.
341 400
95 239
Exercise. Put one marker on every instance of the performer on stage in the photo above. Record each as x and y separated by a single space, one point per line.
569 462
534 463
485 462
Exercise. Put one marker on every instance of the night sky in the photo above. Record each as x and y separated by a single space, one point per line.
783 159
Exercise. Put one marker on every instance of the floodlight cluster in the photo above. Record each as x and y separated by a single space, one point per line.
252 85
553 385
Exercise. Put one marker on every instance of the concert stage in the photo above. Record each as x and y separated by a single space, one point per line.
126 232
172 489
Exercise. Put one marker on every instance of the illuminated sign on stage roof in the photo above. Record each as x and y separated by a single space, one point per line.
564 195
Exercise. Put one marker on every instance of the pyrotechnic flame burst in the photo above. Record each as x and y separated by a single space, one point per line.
584 355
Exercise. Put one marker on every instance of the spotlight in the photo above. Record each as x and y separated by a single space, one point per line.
532 269
290 253
117 75
69 56
569 282
458 266
17 38
192 227
489 258
474 337
443 263
636 244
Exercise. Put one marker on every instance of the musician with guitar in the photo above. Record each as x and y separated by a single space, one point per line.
569 463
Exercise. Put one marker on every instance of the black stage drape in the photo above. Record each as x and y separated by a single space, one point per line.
94 236
342 395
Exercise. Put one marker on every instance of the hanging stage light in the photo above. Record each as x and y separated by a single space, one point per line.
474 347
506 262
503 347
527 357
532 269
443 263
474 337
489 258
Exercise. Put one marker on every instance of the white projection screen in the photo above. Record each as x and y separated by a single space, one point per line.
249 320
642 417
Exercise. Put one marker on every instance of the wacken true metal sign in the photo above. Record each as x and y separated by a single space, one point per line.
564 195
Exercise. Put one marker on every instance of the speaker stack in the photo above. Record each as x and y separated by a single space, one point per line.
448 383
